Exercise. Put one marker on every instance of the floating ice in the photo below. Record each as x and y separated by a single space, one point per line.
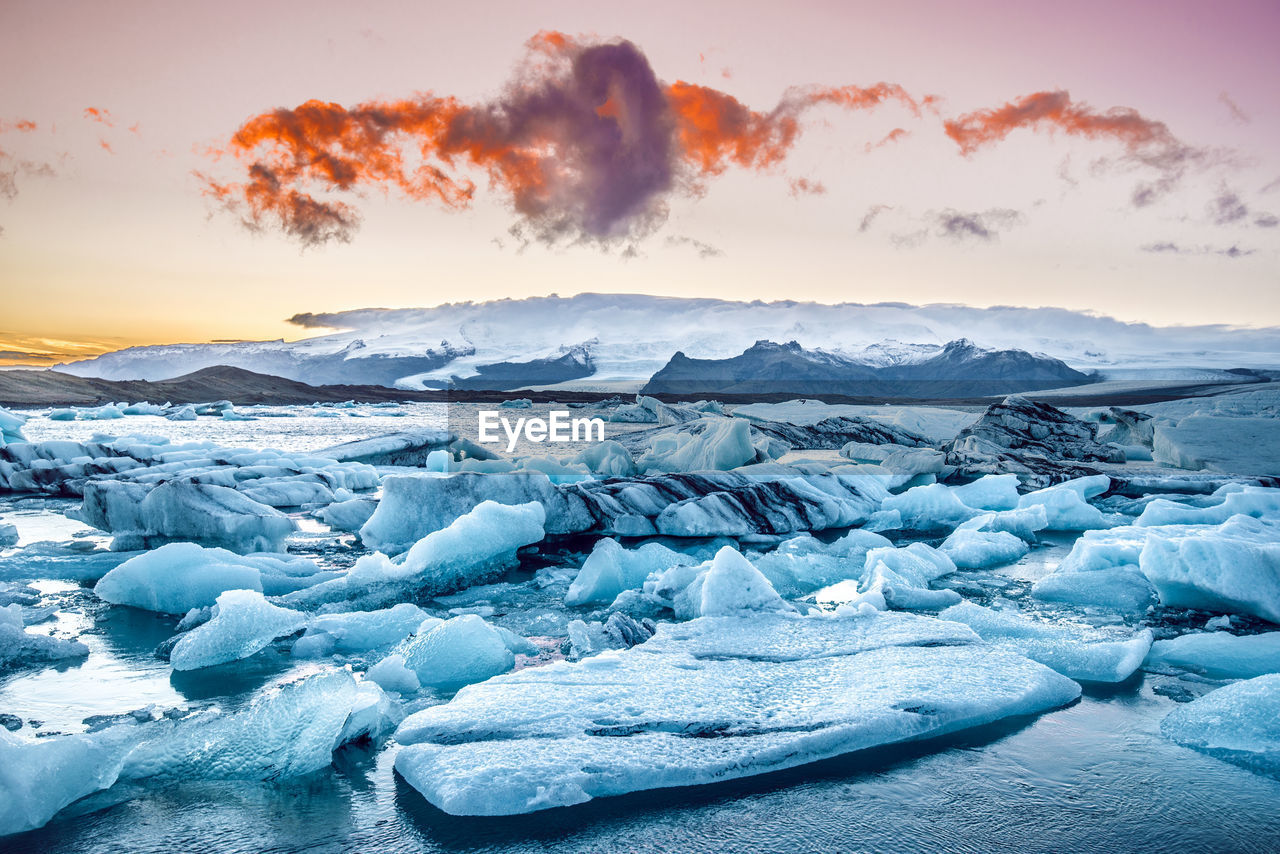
1089 655
929 508
1232 568
970 549
1065 505
803 564
458 652
991 492
711 700
348 515
476 548
40 777
11 427
1239 723
1122 589
902 576
22 649
1258 502
611 569
358 631
607 458
392 675
1239 445
177 577
720 445
8 535
1023 523
1219 655
732 586
243 624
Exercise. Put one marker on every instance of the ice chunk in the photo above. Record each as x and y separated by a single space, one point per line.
991 492
458 652
8 535
177 577
1122 589
11 427
244 623
733 585
183 413
803 564
284 732
392 675
929 508
1247 446
474 549
22 649
358 631
969 549
611 569
39 777
722 444
1065 506
1239 723
1232 568
1258 502
1089 655
348 515
1220 655
607 458
902 576
715 699
1022 523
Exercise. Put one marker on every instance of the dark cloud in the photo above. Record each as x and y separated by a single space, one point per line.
1266 220
704 250
1166 247
985 226
870 217
1227 208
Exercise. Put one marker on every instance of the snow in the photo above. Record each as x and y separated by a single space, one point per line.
1239 723
457 652
243 623
1234 445
970 549
611 569
766 692
1088 655
1219 655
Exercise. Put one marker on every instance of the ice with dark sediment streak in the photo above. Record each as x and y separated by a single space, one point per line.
704 504
714 699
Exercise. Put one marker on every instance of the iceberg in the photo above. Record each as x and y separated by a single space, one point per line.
1238 723
1088 655
611 569
457 652
243 623
929 508
22 649
1232 568
11 427
1219 655
902 576
1122 589
475 548
970 549
359 631
1232 445
714 699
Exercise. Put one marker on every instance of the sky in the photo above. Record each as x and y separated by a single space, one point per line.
162 181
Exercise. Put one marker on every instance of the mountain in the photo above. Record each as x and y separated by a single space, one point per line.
617 342
957 370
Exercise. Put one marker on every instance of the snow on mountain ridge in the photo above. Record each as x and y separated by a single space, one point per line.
629 337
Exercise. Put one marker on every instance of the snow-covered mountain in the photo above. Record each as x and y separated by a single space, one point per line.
616 342
958 370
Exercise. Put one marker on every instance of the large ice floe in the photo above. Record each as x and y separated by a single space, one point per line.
714 699
1238 723
1218 655
243 623
285 731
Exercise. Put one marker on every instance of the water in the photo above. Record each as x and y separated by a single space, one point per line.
1096 776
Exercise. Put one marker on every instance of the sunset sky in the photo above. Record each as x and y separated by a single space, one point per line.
1119 158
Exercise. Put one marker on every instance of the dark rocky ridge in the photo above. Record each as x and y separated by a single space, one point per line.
960 370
